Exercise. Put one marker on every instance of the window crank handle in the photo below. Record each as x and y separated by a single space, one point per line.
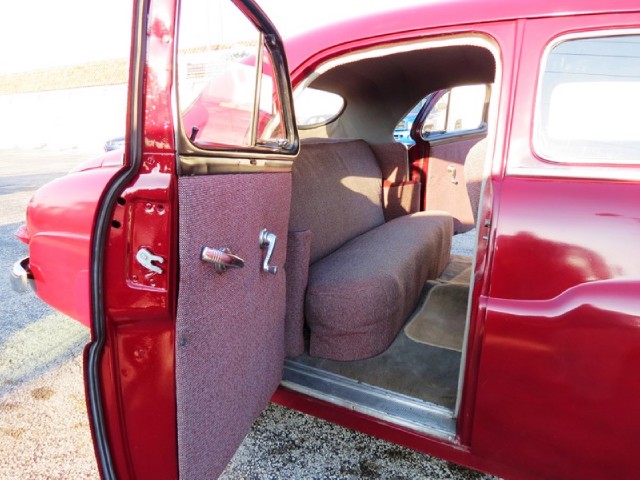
268 241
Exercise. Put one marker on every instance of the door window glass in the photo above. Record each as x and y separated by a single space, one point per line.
588 106
222 63
459 109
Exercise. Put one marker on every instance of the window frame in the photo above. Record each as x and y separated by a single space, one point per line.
198 160
439 135
537 149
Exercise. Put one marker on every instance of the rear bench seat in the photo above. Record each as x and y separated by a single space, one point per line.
352 276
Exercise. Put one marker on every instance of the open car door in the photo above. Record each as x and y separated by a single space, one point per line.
188 248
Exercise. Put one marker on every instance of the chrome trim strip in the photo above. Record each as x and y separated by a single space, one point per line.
257 89
423 417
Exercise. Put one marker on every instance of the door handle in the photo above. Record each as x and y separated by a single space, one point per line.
268 241
221 258
454 174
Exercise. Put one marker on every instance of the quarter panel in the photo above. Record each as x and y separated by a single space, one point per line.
557 395
59 221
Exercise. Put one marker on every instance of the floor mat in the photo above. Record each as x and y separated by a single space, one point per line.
407 367
441 320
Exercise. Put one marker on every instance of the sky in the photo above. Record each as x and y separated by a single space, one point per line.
38 34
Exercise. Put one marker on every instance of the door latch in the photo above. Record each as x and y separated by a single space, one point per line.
148 260
268 241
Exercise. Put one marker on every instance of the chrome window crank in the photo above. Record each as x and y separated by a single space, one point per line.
268 241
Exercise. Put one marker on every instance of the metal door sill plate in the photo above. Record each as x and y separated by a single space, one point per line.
417 415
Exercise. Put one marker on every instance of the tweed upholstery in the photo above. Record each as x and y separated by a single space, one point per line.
365 275
229 344
359 297
393 160
297 267
400 199
400 196
473 172
336 193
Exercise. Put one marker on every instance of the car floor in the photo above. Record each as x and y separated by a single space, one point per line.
416 369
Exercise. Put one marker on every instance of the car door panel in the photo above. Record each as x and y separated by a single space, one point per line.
183 358
446 187
230 325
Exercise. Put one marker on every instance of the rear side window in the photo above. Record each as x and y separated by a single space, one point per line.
459 109
588 104
317 107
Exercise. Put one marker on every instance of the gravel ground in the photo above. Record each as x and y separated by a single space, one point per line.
44 432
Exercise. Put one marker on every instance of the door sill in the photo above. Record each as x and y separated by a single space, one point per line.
417 415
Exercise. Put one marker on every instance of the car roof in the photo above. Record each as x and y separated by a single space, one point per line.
436 13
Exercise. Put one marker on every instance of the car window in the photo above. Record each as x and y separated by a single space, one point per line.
588 104
402 132
317 107
220 67
458 109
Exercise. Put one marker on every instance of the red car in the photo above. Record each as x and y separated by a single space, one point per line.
237 255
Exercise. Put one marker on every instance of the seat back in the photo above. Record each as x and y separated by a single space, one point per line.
336 193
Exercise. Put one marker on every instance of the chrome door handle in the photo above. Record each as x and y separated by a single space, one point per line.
221 258
454 174
268 241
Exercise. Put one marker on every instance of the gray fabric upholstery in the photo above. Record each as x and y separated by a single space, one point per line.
229 340
359 297
336 193
297 268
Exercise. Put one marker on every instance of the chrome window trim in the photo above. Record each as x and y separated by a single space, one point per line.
546 167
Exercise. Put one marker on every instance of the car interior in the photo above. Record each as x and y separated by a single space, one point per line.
381 239
358 262
379 249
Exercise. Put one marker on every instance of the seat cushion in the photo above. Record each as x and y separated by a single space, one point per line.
360 296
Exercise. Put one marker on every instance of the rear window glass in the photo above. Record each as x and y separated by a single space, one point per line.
317 107
588 105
